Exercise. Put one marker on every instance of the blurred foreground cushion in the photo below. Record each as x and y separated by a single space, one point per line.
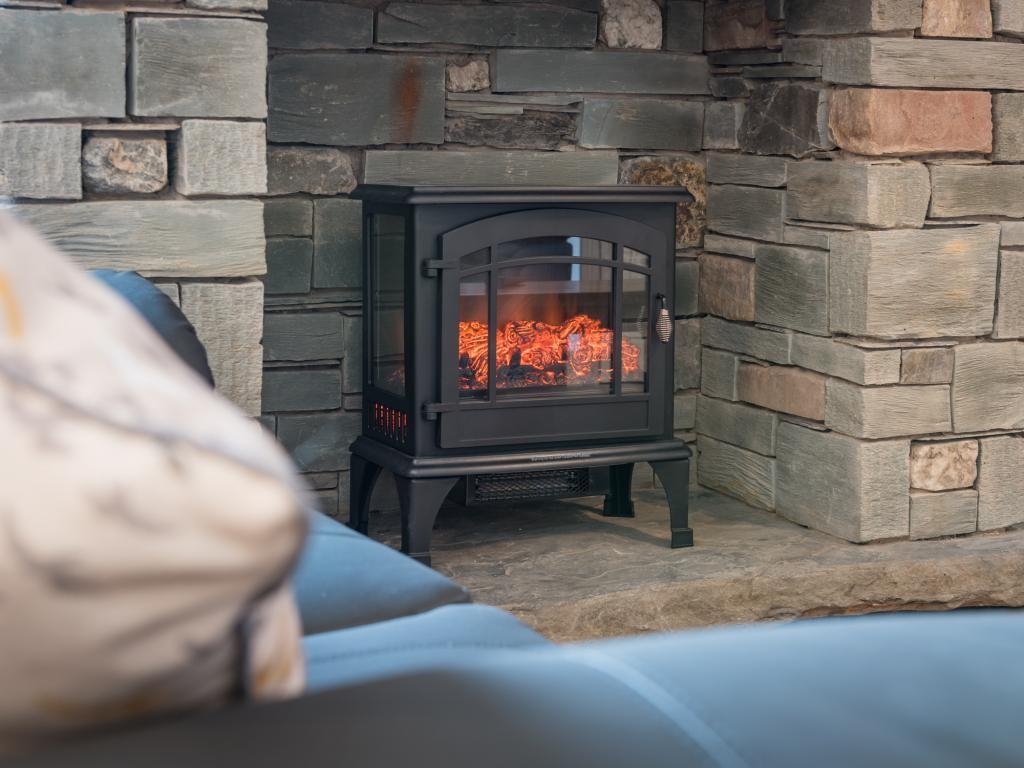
147 527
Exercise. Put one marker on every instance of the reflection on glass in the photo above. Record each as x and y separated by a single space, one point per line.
387 284
473 358
636 316
579 247
636 257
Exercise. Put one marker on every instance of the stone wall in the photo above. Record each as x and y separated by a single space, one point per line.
863 272
134 137
559 92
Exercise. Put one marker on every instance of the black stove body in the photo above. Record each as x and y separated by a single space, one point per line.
517 345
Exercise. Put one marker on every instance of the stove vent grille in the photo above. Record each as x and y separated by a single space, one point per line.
389 423
547 484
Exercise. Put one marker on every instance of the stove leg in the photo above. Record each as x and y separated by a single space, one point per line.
675 477
618 502
363 476
420 500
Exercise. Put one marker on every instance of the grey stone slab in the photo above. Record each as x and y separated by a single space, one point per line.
1012 233
158 238
746 211
914 284
221 157
729 87
687 353
304 389
511 167
319 442
746 475
352 365
760 343
718 374
988 386
599 71
687 282
1001 482
684 410
684 26
196 67
861 366
40 160
301 336
909 63
338 228
291 216
803 50
487 25
722 120
856 490
316 170
228 318
810 237
779 71
926 365
792 288
523 129
289 265
943 514
841 17
750 170
309 25
41 58
641 124
1008 127
354 99
737 424
1008 17
977 190
733 246
745 58
857 193
121 164
1010 304
878 412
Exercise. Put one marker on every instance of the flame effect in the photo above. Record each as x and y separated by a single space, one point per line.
532 353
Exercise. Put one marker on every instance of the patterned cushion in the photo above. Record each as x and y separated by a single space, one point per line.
147 527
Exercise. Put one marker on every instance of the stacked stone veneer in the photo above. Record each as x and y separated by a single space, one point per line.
574 92
863 272
136 139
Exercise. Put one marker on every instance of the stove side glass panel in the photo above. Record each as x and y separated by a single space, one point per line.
387 300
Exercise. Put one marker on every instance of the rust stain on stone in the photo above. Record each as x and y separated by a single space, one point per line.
406 98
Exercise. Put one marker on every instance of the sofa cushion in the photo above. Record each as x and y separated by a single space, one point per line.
346 580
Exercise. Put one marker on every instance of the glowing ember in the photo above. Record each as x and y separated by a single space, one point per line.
530 353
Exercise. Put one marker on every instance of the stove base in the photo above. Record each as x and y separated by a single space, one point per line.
424 482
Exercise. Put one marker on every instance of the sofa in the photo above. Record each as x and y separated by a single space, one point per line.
404 669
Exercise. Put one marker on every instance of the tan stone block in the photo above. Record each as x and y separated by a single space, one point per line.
1001 483
727 287
877 412
876 121
785 389
943 466
1008 137
943 514
927 365
956 18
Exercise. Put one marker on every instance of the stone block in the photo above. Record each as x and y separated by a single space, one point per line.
228 318
1008 17
737 424
727 287
316 170
318 481
734 246
171 291
641 124
843 17
943 514
352 99
319 442
598 71
927 365
221 157
528 129
302 336
512 167
844 361
877 121
977 190
752 212
732 24
684 410
792 288
785 119
908 284
810 237
194 67
849 488
228 5
158 238
718 372
903 62
729 87
783 388
1001 483
886 196
943 466
1012 233
877 412
352 365
337 262
684 26
1010 305
988 386
687 283
956 18
290 216
473 75
42 55
722 122
803 50
630 24
123 165
748 170
486 25
671 171
308 25
303 389
760 343
1008 117
746 475
289 265
687 353
40 160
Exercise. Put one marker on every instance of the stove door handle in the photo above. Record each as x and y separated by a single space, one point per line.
662 320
